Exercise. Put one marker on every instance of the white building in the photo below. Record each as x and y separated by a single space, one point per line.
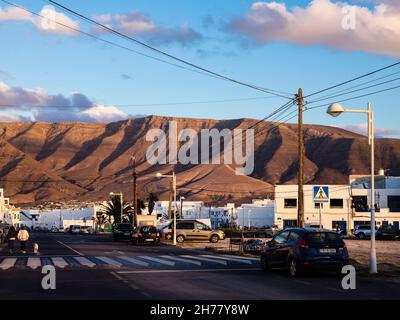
347 207
47 219
8 213
259 213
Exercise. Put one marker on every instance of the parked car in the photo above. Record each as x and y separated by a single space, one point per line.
85 230
122 231
195 230
75 229
54 229
363 231
146 234
386 233
302 249
61 229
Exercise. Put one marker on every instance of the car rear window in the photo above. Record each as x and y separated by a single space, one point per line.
149 229
320 238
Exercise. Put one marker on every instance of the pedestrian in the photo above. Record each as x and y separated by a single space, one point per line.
11 236
23 237
1 236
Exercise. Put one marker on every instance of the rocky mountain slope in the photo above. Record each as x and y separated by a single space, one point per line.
85 161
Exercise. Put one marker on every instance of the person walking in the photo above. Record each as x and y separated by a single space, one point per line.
23 237
11 236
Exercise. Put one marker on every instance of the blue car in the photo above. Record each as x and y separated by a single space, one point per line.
300 249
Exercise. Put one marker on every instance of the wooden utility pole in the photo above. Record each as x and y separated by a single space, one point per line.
135 194
300 201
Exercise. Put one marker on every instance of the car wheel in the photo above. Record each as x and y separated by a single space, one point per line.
361 235
293 267
264 263
214 238
180 239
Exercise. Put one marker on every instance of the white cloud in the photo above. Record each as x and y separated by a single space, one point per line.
101 113
320 23
52 22
138 24
54 108
361 128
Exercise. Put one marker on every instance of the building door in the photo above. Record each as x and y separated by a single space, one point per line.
396 225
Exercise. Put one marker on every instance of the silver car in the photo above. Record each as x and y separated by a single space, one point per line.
363 231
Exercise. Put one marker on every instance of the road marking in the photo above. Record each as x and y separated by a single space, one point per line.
85 262
302 282
146 294
135 261
168 263
67 246
226 258
34 263
240 257
110 261
198 263
206 259
59 262
7 263
117 276
189 270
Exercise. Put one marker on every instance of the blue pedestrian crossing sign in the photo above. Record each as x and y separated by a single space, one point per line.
321 194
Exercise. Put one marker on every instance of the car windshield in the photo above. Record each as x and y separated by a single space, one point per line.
149 229
125 227
320 238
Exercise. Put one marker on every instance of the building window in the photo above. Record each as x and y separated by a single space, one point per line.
394 203
336 203
289 223
360 203
290 203
318 205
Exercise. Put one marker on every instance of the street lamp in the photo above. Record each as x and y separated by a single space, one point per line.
121 199
181 202
173 177
335 110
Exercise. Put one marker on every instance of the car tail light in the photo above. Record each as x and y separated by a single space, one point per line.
139 234
158 234
303 243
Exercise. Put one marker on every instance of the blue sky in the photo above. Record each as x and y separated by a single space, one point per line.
219 35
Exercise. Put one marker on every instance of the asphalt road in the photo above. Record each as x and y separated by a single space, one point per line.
94 267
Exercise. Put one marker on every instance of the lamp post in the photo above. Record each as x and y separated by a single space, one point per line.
335 110
121 199
181 210
173 180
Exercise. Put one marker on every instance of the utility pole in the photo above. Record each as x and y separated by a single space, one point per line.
300 204
170 200
135 195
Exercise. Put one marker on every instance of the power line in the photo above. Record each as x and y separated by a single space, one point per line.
352 91
356 97
354 79
161 52
139 104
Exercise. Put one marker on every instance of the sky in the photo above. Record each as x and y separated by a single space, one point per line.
52 73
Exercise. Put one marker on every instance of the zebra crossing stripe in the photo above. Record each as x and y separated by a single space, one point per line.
165 262
226 258
134 261
198 263
110 261
34 263
85 262
59 262
7 263
240 257
206 259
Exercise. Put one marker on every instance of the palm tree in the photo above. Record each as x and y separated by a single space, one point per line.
152 198
113 209
101 219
